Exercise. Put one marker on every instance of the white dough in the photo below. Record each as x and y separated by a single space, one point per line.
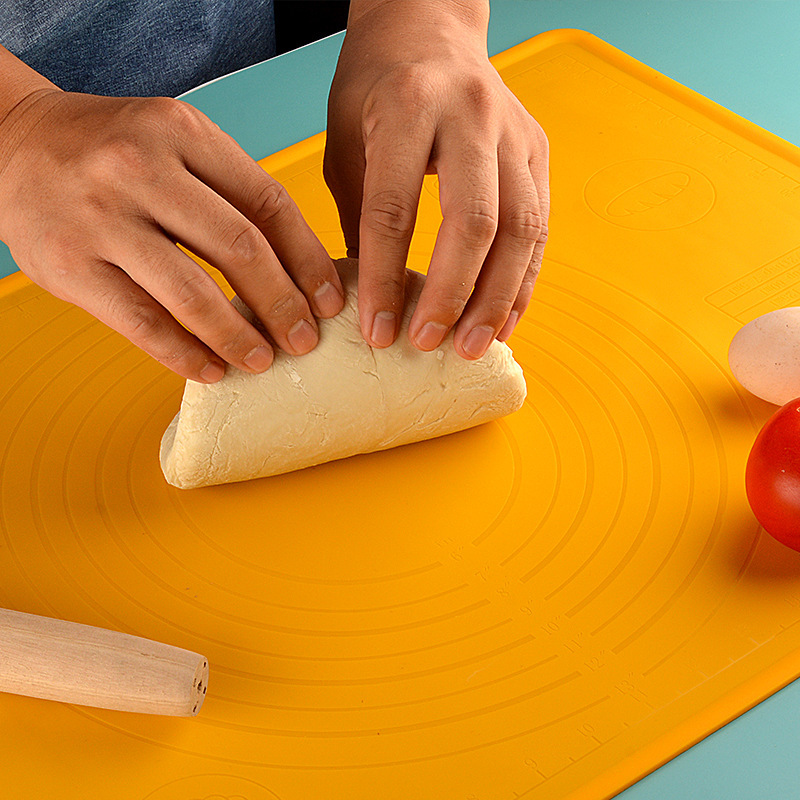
764 356
342 398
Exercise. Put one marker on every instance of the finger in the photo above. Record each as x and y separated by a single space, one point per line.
397 153
521 303
539 173
539 167
500 281
468 194
343 170
187 291
217 161
108 294
233 244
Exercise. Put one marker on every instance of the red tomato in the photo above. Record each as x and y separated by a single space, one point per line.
772 477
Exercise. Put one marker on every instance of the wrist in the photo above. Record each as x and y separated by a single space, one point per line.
17 82
22 95
398 16
21 119
474 12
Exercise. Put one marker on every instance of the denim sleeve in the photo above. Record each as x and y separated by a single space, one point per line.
137 47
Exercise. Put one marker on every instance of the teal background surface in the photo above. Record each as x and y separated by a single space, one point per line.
742 54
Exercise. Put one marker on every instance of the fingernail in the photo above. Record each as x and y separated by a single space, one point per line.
478 341
430 336
508 328
328 300
212 372
383 326
259 358
302 337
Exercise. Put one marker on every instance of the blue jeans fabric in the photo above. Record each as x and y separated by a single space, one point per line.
137 47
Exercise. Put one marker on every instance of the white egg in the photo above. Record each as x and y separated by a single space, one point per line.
765 356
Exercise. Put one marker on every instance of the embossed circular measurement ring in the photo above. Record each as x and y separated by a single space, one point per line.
548 606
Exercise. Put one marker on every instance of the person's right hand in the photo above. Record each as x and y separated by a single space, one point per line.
94 193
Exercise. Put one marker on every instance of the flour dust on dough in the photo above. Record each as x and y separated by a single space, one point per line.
341 399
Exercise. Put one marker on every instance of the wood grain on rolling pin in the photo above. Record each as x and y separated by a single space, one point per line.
73 663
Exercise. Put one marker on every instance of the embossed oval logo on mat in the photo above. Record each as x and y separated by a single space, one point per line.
649 194
212 787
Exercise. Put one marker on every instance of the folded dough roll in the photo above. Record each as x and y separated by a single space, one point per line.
342 398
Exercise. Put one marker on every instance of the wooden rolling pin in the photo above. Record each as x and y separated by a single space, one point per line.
73 663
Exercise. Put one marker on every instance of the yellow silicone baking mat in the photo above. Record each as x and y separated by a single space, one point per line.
548 606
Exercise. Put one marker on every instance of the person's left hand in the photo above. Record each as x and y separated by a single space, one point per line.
414 92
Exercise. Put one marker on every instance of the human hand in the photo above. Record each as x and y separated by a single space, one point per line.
414 92
94 193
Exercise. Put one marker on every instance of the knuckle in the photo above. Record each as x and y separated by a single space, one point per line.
120 154
130 144
481 95
181 359
523 299
143 321
450 306
189 300
477 222
413 86
391 213
409 87
533 276
497 309
492 304
236 343
241 247
538 251
523 223
271 202
285 305
61 249
529 280
175 115
541 239
394 285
